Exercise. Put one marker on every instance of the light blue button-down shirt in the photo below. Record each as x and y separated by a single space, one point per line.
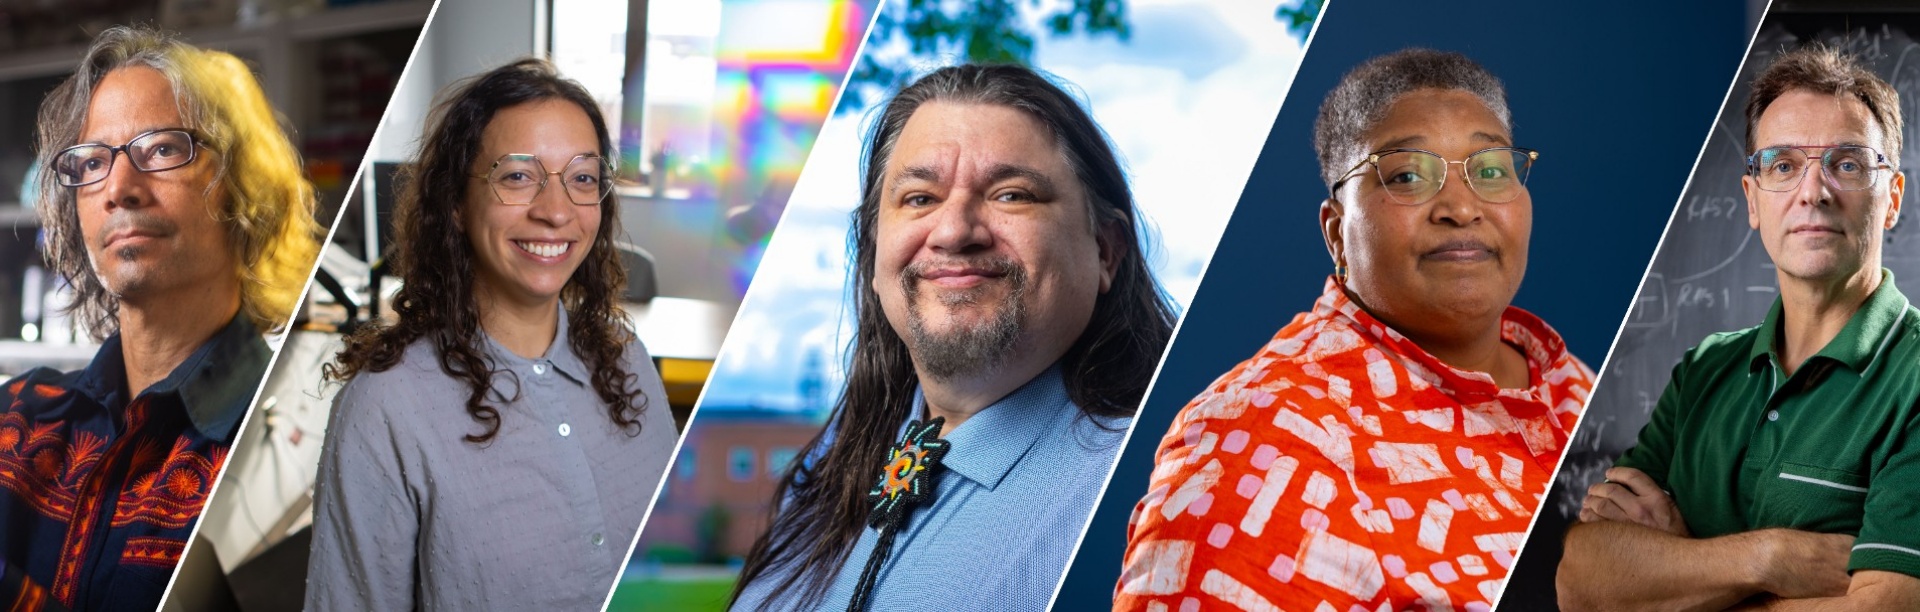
1019 483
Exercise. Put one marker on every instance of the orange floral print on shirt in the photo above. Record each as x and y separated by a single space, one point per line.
1344 468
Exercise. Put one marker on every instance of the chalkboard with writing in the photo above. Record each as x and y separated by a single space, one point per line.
1711 272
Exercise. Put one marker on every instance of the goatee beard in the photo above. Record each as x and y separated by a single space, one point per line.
963 349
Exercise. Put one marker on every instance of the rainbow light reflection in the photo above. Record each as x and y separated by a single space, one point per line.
780 65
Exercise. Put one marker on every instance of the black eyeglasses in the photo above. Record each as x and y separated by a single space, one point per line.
1414 176
154 151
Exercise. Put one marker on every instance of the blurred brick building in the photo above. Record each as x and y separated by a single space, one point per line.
725 476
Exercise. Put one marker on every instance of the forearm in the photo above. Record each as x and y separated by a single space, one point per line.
1844 603
1867 590
1622 566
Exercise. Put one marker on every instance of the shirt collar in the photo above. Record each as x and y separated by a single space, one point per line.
1862 339
1538 342
992 441
559 354
214 384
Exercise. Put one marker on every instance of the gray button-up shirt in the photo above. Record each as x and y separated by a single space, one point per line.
410 515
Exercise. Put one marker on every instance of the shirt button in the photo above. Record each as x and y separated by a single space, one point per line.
598 539
565 429
539 368
1773 415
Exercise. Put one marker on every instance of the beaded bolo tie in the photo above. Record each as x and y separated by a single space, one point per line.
905 481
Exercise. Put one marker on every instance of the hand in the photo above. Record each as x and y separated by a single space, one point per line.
1630 496
1800 564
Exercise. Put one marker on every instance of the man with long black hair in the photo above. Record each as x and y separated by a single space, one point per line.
1007 329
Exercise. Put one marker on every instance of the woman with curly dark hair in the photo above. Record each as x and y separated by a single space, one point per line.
496 447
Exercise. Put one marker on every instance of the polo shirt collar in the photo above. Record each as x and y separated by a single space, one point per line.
1857 344
992 441
214 384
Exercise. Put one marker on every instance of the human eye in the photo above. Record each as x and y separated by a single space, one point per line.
162 146
74 165
917 200
1403 177
1847 161
515 178
1014 195
1783 167
1780 161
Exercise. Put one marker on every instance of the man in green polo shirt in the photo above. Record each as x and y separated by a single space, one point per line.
1781 467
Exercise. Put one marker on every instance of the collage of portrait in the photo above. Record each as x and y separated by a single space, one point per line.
1158 306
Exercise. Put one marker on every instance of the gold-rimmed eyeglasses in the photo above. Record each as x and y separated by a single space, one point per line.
1414 176
517 179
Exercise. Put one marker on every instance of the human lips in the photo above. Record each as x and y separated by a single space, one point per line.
133 229
1463 250
958 273
959 276
126 235
1814 229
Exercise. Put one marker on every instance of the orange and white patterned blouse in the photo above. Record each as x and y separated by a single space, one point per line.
1343 468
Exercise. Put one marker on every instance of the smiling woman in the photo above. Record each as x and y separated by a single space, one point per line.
495 446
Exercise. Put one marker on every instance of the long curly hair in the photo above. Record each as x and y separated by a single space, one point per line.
823 501
268 208
435 260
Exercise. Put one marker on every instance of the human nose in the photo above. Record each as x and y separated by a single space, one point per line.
958 226
1814 189
1457 203
552 204
124 185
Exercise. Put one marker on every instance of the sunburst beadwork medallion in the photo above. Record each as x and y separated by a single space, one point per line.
907 477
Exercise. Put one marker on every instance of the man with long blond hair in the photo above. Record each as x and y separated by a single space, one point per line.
176 209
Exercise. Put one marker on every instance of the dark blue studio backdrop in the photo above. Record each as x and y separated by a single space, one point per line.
1618 99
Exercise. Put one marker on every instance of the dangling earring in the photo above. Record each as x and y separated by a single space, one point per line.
1340 272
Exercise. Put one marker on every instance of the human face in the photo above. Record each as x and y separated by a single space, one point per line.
150 233
527 253
985 245
1452 259
1814 232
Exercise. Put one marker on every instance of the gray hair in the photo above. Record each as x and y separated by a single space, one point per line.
1366 92
268 215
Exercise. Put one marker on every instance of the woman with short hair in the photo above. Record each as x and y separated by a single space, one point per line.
1387 448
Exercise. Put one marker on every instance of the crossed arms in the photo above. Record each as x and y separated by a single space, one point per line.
1631 550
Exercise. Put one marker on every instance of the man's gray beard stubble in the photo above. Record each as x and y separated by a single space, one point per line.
969 350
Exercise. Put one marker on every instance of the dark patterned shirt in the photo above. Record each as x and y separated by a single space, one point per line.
98 491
